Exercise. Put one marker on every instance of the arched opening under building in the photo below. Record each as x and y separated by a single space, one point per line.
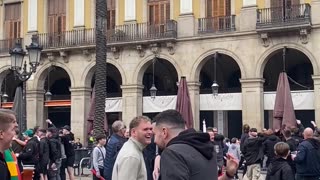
299 70
59 107
9 85
165 80
228 120
114 91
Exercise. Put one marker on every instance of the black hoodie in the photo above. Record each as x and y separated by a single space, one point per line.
189 155
279 169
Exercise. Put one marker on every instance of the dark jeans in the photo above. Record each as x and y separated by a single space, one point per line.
299 177
101 173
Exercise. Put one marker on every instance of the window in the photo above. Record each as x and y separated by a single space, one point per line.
159 11
56 16
218 8
111 14
12 20
283 3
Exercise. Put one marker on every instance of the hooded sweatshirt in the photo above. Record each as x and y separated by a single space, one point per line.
279 169
234 149
190 155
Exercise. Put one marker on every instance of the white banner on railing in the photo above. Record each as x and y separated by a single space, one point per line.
113 104
159 103
302 100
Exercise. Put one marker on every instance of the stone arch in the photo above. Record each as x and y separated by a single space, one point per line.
4 71
144 64
89 72
264 58
199 63
40 76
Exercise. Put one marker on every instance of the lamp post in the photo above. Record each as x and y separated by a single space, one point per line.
20 70
153 89
215 85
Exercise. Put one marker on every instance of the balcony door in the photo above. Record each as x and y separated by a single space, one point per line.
56 21
284 10
111 14
217 12
12 23
158 15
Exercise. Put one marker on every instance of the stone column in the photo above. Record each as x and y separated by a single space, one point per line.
316 83
315 18
78 13
248 16
194 92
130 10
131 102
252 102
80 104
35 108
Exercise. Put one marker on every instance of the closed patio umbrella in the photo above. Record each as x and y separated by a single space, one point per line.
283 113
183 102
90 118
18 107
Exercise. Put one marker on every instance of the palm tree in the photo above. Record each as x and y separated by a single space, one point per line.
101 66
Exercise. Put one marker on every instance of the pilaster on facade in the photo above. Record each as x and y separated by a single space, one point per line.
252 102
35 108
194 92
131 101
315 4
80 106
248 17
316 83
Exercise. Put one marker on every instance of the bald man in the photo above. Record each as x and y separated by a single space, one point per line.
308 157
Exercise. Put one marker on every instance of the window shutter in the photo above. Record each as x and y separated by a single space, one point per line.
276 3
12 20
159 11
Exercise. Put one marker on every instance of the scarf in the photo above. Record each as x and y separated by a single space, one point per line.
12 164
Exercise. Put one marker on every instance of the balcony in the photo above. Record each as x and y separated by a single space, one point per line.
139 33
275 19
7 44
216 24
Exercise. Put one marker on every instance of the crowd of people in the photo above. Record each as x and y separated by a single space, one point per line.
162 149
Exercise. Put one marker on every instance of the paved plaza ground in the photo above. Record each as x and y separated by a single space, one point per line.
88 176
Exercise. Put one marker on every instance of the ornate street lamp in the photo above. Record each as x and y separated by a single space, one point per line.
17 54
153 89
215 85
48 94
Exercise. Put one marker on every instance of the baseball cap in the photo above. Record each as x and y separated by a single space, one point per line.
28 133
66 127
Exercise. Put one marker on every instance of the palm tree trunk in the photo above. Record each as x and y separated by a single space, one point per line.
101 66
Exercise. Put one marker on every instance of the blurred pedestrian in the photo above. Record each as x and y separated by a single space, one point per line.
98 157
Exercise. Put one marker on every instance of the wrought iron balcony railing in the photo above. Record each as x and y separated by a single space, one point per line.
274 18
78 37
7 44
128 33
216 24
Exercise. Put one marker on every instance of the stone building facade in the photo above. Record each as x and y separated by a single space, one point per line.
249 39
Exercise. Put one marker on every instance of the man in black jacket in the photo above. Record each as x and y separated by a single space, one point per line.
187 154
8 125
44 153
55 154
30 154
67 139
307 158
253 154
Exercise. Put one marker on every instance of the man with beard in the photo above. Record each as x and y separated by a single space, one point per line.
187 154
130 163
